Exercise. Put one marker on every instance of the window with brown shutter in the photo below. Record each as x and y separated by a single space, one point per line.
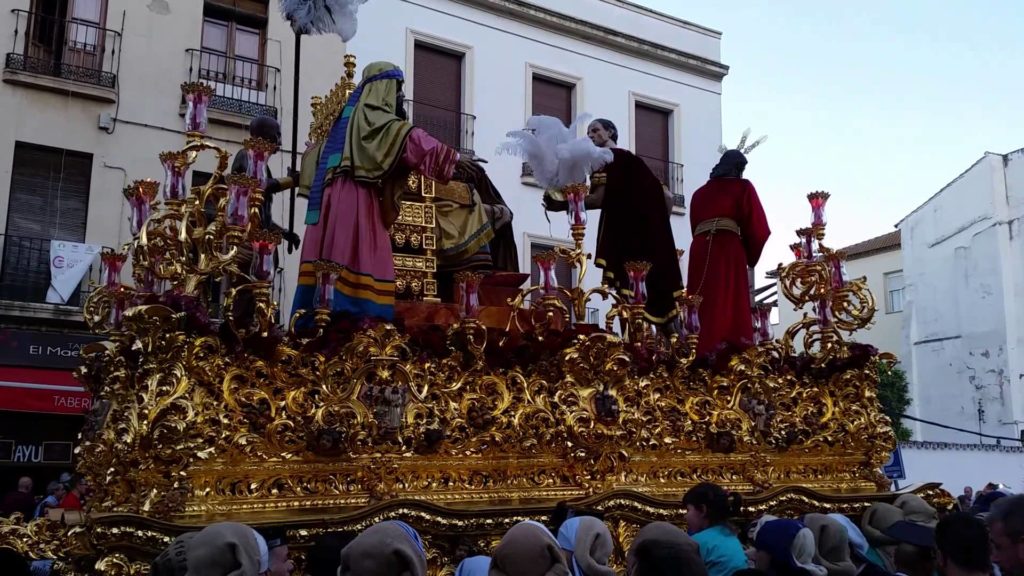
552 98
653 131
49 200
233 42
437 93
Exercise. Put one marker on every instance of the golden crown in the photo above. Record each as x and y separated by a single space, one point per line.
743 146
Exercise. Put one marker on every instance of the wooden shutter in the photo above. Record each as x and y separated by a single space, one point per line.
552 98
49 201
652 138
437 93
49 193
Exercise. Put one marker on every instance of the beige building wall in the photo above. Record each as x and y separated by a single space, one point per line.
151 63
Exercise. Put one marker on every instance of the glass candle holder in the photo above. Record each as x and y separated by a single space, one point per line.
823 310
116 318
111 264
259 152
140 195
175 176
691 315
818 200
326 277
806 242
637 273
472 292
264 243
240 189
763 312
546 263
197 104
839 274
576 196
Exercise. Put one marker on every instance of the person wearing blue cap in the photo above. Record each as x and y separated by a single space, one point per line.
915 553
474 566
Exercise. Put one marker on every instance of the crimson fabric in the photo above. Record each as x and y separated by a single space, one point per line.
71 501
718 266
635 226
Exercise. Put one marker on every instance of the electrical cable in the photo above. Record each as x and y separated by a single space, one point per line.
948 427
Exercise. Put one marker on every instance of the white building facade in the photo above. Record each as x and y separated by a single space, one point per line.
964 303
879 260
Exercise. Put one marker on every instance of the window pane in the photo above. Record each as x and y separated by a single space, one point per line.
88 10
215 35
247 43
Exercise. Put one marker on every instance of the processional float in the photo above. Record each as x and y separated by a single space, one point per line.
462 431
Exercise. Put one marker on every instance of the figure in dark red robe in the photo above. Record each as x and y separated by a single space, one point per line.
729 232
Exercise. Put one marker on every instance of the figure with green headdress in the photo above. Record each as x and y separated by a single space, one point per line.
354 196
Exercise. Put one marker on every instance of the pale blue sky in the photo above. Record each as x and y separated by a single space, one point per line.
879 102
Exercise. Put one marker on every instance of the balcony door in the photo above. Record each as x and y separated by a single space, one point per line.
653 133
233 44
437 94
68 32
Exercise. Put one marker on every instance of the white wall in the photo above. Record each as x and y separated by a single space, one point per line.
959 465
963 320
886 332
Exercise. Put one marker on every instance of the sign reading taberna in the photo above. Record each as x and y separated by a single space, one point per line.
52 350
69 263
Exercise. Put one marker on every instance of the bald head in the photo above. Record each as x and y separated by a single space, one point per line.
24 484
266 128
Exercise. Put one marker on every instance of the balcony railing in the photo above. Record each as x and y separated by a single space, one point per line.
69 49
242 86
449 126
671 176
25 271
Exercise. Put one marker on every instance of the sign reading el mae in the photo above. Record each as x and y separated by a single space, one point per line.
51 350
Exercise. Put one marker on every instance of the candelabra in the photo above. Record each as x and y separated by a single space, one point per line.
817 277
194 236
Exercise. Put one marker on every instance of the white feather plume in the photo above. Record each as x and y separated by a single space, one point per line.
323 16
558 158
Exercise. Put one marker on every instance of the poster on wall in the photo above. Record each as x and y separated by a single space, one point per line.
69 263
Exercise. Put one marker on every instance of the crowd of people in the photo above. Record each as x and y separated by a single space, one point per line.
68 492
906 538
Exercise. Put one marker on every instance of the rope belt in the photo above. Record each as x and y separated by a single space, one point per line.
715 224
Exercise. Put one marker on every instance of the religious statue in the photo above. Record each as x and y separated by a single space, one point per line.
354 196
635 223
729 231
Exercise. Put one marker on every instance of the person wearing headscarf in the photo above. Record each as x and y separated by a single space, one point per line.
730 230
661 549
226 549
832 545
635 224
474 566
528 549
708 509
355 194
172 561
875 521
390 548
916 509
587 545
860 551
786 548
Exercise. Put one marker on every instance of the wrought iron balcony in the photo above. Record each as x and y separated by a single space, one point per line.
243 87
25 271
451 127
68 49
671 176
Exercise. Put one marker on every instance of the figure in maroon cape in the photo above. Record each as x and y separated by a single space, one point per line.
635 224
729 232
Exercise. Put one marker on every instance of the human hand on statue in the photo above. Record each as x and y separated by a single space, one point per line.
552 205
467 169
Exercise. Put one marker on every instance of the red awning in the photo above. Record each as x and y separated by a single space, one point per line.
41 390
